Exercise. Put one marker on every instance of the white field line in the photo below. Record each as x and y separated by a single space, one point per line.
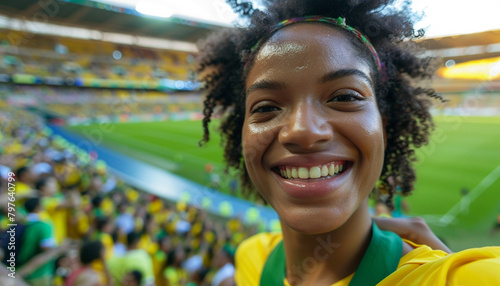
470 197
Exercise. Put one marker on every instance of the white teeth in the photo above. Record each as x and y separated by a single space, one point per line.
303 173
324 171
313 172
331 170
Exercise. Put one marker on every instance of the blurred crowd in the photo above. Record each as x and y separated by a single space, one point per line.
77 224
89 105
66 58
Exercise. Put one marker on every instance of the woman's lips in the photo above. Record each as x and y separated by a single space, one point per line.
313 187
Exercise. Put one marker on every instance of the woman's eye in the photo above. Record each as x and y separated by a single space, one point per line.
346 97
264 109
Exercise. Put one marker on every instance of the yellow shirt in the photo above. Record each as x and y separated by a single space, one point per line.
421 266
56 215
98 267
108 243
23 190
148 244
158 264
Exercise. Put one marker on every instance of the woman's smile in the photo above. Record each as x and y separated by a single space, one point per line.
323 171
310 176
313 188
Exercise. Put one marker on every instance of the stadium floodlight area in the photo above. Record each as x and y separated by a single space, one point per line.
33 27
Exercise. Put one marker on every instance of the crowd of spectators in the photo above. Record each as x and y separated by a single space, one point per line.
78 224
88 105
51 56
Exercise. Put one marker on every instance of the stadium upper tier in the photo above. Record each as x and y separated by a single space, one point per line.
74 105
66 61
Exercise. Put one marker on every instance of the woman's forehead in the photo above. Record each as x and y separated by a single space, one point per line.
299 37
315 46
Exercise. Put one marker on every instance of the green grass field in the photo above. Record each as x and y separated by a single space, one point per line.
463 153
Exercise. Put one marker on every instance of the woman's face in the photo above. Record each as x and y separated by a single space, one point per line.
313 138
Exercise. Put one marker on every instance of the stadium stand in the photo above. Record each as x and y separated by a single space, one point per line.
80 82
83 202
87 105
86 81
94 59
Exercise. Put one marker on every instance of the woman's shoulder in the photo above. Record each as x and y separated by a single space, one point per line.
425 266
264 242
475 266
251 256
423 254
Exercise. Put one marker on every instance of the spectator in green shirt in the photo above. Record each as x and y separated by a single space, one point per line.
37 237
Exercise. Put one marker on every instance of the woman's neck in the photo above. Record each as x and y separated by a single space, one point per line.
323 259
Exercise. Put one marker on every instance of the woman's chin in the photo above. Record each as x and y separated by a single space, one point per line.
307 225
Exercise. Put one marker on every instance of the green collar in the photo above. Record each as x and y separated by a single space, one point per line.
380 260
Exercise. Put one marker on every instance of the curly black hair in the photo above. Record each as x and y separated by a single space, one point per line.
402 96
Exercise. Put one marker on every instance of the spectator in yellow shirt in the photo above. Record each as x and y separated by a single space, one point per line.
104 226
25 182
54 205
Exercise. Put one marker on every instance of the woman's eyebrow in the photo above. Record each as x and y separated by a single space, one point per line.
267 85
334 75
331 76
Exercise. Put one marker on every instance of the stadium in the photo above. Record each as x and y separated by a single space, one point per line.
101 110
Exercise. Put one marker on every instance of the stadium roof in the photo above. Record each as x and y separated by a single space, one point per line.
106 18
126 20
467 47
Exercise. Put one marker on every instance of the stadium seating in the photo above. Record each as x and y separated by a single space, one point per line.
44 56
87 195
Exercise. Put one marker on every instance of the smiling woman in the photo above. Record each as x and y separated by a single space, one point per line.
316 114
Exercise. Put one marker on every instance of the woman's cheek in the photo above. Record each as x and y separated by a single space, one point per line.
367 133
256 140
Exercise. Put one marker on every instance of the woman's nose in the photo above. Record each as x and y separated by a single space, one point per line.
306 127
